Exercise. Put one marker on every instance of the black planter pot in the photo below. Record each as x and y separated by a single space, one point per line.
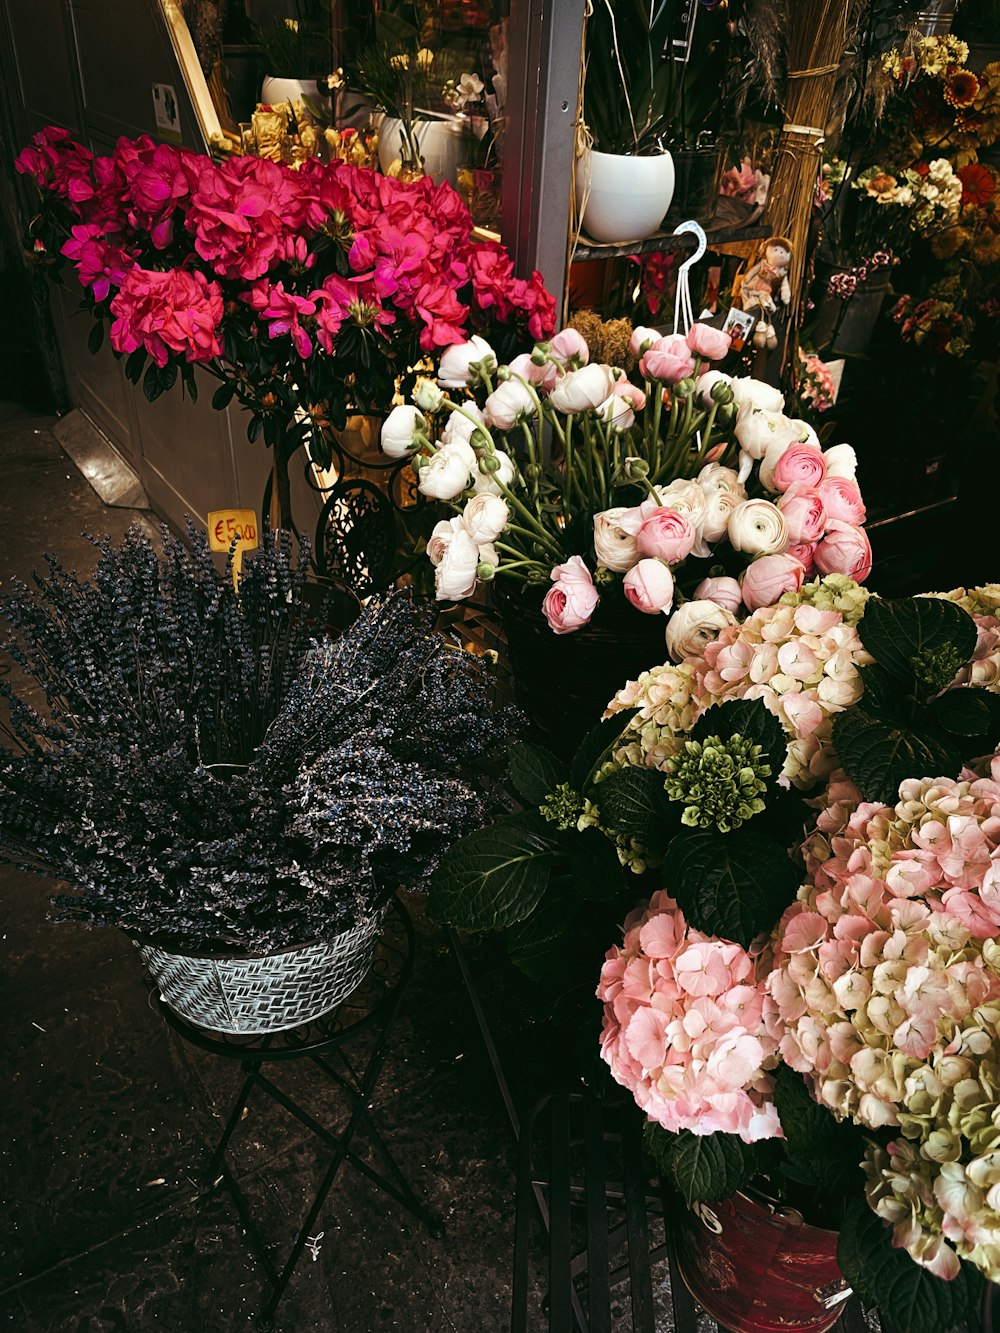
565 681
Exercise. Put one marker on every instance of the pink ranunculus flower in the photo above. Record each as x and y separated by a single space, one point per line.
805 553
685 1028
641 339
797 462
804 512
724 592
649 586
668 360
766 579
568 345
710 343
842 500
666 535
618 411
174 312
570 603
845 549
542 377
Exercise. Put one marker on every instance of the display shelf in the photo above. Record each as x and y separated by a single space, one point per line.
666 240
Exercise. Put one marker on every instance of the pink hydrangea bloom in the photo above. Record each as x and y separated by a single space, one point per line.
687 1027
176 311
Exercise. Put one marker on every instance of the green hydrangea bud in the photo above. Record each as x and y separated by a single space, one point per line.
604 577
721 783
563 807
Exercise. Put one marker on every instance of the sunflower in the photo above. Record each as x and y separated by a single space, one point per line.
979 184
960 87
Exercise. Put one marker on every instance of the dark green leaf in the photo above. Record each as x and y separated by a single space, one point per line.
189 382
595 746
95 338
825 1151
878 756
966 711
253 428
883 695
595 868
534 772
896 632
750 718
152 385
734 886
707 1167
914 1299
223 396
495 876
539 945
633 802
134 363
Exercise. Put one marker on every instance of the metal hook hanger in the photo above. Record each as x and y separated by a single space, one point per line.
682 300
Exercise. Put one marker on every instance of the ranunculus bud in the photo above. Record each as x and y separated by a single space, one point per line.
447 473
694 625
543 376
845 549
724 592
756 527
568 346
614 547
583 389
571 601
485 517
486 572
649 586
399 429
464 363
635 468
710 343
427 396
705 386
666 535
495 469
764 581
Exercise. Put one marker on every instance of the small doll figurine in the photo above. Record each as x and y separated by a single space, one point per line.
766 284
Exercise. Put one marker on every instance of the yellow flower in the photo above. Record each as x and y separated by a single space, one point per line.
401 61
425 58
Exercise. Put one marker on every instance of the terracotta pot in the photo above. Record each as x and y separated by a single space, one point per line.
757 1270
565 681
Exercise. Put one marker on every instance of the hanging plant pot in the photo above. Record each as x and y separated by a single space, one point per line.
757 1270
234 993
626 197
698 174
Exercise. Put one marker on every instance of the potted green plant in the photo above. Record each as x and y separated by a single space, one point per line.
296 57
796 1005
238 795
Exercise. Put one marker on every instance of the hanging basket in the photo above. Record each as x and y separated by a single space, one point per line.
263 993
758 1270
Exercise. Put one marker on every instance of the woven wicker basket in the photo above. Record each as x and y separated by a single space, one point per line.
267 993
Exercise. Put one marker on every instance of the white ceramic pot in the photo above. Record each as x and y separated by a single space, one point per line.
628 195
443 144
274 90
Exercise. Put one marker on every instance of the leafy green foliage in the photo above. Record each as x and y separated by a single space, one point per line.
495 876
596 747
901 632
633 801
534 772
595 868
749 718
886 1277
735 886
703 1167
878 755
95 338
820 1150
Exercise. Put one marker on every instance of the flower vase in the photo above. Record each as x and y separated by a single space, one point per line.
564 682
759 1270
844 325
698 176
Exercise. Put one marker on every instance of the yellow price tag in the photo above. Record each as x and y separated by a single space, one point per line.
226 526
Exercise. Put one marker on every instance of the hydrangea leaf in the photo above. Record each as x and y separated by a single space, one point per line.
534 772
905 636
877 755
537 945
734 886
827 1152
703 1167
596 870
633 801
968 711
913 1298
597 743
750 718
494 876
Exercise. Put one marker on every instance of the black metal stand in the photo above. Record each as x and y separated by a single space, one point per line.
371 1009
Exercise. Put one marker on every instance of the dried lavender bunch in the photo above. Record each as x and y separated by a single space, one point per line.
206 773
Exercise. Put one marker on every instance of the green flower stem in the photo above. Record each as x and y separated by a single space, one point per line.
540 533
706 444
456 407
653 445
572 479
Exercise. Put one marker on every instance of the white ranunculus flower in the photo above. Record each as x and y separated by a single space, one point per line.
448 472
757 429
509 403
485 517
757 394
715 477
459 427
579 390
693 625
706 383
614 547
486 482
398 431
427 395
455 575
442 536
841 461
455 369
757 527
719 506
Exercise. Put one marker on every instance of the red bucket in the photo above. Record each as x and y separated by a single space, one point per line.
758 1270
